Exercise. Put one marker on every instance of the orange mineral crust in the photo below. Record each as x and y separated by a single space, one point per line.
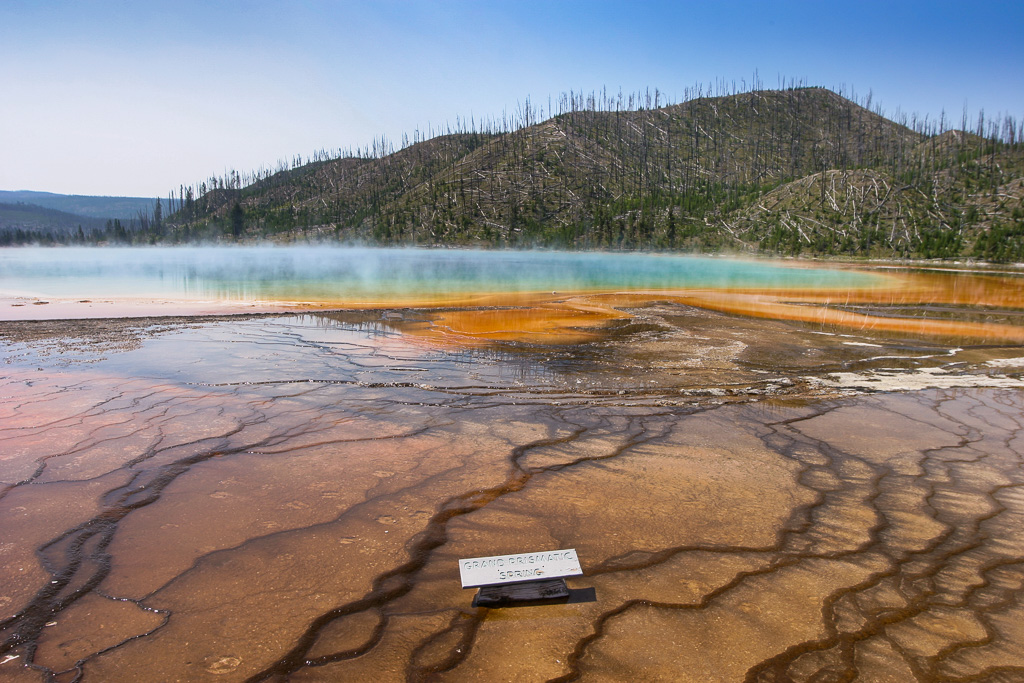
287 499
512 299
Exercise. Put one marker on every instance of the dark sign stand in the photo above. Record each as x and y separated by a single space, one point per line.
529 591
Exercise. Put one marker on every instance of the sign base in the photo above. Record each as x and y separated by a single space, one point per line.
503 594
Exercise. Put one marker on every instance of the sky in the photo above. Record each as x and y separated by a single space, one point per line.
137 98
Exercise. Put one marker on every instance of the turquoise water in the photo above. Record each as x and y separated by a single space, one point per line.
325 274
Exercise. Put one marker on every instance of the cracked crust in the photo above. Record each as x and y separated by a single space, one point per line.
286 498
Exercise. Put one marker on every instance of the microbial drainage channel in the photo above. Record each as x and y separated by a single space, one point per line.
288 498
925 593
399 582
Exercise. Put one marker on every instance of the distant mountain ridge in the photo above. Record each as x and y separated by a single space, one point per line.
124 208
33 220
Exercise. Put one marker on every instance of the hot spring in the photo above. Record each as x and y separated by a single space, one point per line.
769 471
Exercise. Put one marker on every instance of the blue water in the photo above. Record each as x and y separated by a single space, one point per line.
326 274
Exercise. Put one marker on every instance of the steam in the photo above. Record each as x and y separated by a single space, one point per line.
345 274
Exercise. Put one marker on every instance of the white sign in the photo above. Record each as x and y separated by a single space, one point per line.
550 564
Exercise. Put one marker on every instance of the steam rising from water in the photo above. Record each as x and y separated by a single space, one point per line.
336 274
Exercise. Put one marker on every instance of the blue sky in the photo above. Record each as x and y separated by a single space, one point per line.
136 98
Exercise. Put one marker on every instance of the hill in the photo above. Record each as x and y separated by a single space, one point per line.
796 171
586 178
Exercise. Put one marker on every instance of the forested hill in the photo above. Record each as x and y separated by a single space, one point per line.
797 171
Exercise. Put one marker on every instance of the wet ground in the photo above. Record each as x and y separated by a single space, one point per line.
286 498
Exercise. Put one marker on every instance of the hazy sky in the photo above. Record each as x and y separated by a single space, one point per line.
136 98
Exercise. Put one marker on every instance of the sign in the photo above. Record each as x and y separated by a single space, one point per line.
488 571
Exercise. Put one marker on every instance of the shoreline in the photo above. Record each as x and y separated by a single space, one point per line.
39 308
981 304
703 355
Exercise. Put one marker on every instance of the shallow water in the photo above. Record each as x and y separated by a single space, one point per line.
286 498
479 296
342 275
